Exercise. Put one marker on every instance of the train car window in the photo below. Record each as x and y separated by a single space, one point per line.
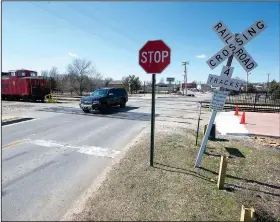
13 73
33 74
21 73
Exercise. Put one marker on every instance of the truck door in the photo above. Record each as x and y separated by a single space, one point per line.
112 97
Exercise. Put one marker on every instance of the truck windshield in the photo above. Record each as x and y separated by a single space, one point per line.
99 92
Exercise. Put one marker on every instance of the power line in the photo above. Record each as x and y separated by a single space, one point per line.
79 26
94 18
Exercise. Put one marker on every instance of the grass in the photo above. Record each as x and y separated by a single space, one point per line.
174 190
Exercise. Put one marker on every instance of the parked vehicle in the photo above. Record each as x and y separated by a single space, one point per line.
23 84
103 99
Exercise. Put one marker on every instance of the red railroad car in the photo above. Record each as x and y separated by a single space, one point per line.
23 84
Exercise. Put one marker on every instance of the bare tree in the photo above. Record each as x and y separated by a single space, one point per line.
131 83
52 77
98 81
107 81
80 70
71 84
45 73
126 83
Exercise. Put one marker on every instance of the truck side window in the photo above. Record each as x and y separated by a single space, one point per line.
13 73
110 91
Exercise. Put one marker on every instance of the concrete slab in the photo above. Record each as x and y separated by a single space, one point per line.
266 124
228 124
258 124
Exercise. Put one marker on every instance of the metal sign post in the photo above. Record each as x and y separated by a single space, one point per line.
153 121
198 121
234 48
154 57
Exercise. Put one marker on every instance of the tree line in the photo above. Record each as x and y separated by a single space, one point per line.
81 76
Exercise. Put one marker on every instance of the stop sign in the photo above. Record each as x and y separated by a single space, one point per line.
154 56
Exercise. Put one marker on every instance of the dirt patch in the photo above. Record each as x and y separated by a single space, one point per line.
267 141
174 190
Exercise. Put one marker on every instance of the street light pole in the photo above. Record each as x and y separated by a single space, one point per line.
268 82
248 73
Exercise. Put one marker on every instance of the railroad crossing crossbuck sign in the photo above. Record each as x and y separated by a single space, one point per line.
234 46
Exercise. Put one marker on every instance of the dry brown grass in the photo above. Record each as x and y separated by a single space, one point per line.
174 190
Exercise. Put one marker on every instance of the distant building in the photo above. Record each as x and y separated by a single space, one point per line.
189 85
203 87
115 83
162 84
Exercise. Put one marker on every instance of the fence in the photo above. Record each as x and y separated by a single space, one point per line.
253 102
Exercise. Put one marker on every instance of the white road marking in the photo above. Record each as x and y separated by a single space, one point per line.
89 150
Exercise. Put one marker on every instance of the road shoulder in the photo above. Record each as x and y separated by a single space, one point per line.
174 190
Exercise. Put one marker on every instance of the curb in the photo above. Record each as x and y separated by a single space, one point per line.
252 134
9 118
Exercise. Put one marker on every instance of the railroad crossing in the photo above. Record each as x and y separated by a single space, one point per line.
234 47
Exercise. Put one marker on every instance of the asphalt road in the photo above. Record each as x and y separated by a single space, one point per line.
48 162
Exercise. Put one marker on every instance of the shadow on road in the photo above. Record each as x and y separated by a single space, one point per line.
114 112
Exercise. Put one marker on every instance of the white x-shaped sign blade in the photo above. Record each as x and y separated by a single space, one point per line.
243 57
235 45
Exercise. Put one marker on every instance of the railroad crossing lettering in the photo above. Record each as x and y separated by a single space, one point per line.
245 60
234 45
218 100
223 32
221 81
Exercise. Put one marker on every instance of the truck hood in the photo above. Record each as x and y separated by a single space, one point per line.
91 98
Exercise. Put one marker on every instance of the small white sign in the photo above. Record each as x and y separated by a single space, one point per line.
170 79
220 81
227 72
218 100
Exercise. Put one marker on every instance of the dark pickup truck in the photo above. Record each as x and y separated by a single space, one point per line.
102 99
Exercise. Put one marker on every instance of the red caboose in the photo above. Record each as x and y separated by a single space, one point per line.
24 84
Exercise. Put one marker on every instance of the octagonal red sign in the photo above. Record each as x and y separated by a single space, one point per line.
154 56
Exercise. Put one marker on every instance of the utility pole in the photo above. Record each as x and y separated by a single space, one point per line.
248 73
185 76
